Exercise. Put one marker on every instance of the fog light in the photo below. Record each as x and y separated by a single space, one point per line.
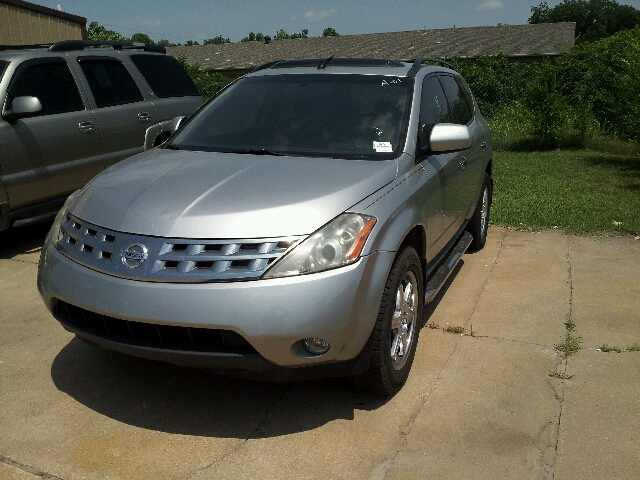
316 346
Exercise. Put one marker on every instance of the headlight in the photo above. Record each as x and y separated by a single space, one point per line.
54 232
338 243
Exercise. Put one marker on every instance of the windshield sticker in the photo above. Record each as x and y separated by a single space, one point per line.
382 147
386 83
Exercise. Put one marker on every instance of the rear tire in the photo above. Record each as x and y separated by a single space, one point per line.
392 344
479 223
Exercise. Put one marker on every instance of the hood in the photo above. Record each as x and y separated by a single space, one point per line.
185 194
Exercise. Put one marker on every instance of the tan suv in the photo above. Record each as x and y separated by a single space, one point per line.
69 112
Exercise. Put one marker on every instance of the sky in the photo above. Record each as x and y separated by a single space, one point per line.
179 21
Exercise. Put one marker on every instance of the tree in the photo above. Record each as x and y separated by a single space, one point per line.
253 37
167 43
330 32
100 33
190 43
216 40
141 37
283 35
595 19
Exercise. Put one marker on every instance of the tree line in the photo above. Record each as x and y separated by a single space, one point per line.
101 33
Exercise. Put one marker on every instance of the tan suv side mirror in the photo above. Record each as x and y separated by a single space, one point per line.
23 107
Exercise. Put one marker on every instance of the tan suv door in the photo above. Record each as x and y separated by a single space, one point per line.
55 151
122 111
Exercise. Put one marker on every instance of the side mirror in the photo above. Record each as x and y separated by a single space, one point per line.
176 123
158 133
447 137
23 107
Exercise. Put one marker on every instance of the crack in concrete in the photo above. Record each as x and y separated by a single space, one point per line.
248 437
561 382
381 470
28 468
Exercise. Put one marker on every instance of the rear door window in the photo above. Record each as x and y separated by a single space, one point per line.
165 76
110 82
51 82
460 111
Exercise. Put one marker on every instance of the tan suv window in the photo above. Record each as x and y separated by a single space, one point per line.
52 84
110 82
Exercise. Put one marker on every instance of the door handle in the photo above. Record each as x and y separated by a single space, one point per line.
144 117
463 162
87 127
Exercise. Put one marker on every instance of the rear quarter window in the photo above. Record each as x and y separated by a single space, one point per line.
165 76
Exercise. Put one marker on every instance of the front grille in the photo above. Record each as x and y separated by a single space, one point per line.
165 337
170 259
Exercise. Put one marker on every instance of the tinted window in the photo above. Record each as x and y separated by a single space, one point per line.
52 83
338 116
110 82
433 106
165 76
460 112
467 92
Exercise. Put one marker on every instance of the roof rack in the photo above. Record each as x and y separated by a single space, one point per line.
335 62
70 45
24 47
417 65
266 65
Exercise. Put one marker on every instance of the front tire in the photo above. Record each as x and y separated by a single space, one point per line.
392 344
479 223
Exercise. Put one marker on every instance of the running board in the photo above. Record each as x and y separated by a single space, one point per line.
440 276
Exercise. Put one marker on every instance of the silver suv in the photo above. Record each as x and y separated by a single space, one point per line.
293 227
68 112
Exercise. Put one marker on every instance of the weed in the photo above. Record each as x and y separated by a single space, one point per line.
560 375
471 332
569 346
433 326
607 348
458 329
570 324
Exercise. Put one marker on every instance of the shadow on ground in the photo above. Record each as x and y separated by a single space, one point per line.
22 240
168 398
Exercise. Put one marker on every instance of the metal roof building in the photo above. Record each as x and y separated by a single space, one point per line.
518 42
24 23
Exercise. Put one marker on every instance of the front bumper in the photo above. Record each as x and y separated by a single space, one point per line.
273 316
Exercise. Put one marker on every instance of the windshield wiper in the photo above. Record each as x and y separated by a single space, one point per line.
251 151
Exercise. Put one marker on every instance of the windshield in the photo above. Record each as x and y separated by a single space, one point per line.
319 115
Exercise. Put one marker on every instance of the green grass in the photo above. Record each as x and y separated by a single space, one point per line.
579 191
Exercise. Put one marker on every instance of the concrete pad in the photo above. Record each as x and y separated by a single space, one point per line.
600 432
11 471
494 414
527 297
473 407
606 285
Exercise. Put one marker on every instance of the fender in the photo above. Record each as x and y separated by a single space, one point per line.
397 208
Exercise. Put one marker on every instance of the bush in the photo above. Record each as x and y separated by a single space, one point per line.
495 81
603 78
207 84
